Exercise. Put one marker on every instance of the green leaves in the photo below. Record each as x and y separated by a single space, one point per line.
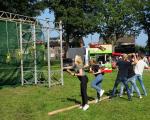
77 16
111 18
24 7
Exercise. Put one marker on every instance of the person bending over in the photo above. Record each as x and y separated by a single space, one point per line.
96 83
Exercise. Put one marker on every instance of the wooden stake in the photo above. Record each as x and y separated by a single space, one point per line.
72 107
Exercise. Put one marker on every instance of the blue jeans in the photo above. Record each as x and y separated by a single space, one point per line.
124 81
139 78
132 80
96 83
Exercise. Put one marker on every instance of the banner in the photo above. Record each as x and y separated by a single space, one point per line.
99 48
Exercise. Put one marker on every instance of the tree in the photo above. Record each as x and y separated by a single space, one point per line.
116 21
23 7
77 17
142 14
140 49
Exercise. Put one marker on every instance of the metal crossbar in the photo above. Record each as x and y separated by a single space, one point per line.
16 17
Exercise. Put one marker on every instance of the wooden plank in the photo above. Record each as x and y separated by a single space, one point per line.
74 106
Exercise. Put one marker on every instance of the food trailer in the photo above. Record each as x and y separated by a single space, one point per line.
101 53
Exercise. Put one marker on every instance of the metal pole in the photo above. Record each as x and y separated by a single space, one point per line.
87 57
105 57
35 67
61 52
48 53
21 60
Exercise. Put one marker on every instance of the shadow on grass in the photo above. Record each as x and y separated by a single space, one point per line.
78 102
74 100
123 98
91 98
9 86
109 92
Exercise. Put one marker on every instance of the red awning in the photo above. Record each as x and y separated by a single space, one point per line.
116 54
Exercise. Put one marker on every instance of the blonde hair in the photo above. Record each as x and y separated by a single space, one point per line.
92 61
78 60
125 57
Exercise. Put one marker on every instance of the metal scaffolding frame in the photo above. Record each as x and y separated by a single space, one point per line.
51 73
16 17
11 17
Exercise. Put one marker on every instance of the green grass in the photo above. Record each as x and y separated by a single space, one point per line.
34 102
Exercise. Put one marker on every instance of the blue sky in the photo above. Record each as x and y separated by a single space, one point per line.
140 40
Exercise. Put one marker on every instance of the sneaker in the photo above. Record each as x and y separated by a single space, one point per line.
145 94
140 97
110 97
101 93
86 106
80 107
96 100
129 99
131 94
120 96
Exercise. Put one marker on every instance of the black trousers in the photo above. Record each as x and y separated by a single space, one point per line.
83 89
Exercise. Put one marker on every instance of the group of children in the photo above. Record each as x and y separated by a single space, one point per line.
130 69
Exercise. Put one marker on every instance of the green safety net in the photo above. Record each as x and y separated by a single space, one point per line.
9 72
10 53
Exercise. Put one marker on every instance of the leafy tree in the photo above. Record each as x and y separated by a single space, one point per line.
116 21
23 7
142 14
77 17
140 49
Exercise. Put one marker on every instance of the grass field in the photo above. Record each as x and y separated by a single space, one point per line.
34 102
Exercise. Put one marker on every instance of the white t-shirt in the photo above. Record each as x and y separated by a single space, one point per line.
139 67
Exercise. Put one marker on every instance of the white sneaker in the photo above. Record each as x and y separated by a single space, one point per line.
140 97
85 107
120 96
80 107
131 94
96 100
101 93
